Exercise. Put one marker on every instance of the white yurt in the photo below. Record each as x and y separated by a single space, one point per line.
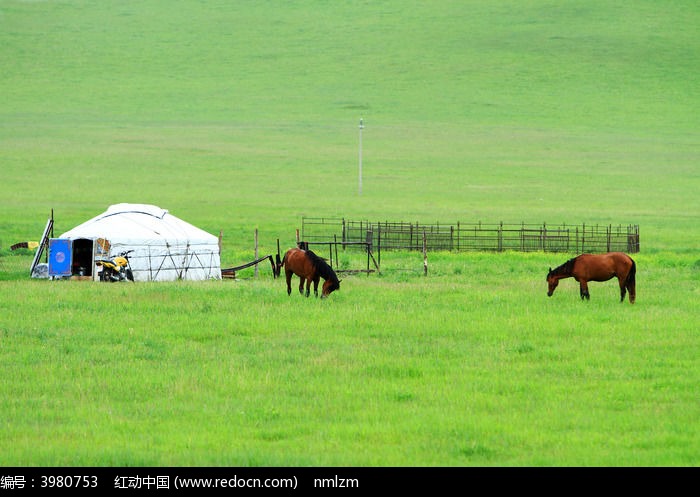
164 247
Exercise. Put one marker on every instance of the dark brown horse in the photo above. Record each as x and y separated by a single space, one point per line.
310 268
598 267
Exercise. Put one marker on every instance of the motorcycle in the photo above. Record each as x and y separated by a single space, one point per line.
116 268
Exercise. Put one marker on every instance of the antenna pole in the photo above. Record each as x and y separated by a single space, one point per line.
360 155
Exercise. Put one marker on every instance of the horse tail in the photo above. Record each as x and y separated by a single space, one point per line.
632 275
631 280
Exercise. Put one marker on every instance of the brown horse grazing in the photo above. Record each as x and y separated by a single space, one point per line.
309 267
599 267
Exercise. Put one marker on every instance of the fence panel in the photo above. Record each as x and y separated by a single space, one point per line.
461 237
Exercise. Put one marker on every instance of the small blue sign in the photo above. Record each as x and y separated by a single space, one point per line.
60 257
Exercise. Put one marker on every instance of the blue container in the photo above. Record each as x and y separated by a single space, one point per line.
60 257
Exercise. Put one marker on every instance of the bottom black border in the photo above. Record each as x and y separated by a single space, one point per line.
207 480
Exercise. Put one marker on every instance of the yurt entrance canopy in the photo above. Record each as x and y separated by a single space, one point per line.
164 247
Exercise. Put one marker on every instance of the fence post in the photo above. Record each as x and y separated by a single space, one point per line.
425 255
629 245
544 237
369 253
278 260
335 244
500 237
633 239
522 236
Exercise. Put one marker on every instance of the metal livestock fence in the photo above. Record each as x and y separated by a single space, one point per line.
463 237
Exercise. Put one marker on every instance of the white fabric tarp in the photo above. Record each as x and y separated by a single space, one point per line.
165 248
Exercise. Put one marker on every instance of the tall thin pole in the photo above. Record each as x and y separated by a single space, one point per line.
360 184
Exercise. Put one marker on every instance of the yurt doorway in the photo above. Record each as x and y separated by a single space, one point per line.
83 257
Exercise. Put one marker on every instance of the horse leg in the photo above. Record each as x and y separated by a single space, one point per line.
301 285
308 286
584 290
316 280
623 289
288 276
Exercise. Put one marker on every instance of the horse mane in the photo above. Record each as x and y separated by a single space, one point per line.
565 268
322 267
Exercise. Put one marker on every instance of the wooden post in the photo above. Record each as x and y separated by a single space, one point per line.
425 255
544 237
458 232
500 237
335 244
278 261
369 253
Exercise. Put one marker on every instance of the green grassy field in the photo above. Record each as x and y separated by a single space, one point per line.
244 117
